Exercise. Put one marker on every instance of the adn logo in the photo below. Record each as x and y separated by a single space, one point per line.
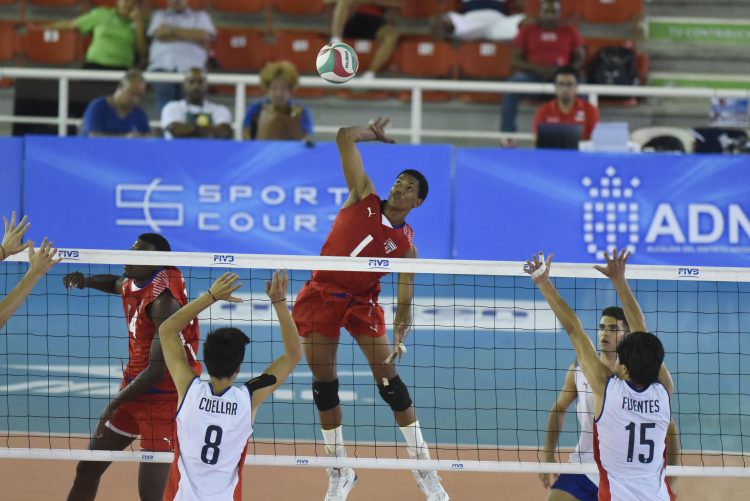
688 272
223 259
379 264
457 466
302 461
70 255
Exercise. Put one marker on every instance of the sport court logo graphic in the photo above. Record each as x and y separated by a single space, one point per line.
124 200
611 216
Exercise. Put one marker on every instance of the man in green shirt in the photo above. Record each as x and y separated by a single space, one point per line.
118 39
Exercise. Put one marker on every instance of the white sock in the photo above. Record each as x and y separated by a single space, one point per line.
415 443
334 440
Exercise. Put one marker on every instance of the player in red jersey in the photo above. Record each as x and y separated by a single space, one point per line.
147 401
366 226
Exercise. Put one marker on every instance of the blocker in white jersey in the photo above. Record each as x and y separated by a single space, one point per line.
630 442
212 432
215 418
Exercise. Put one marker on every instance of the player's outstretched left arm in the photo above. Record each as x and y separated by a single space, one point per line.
280 368
615 271
40 262
595 371
169 331
403 319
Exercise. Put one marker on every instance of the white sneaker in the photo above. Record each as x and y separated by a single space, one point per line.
340 482
429 483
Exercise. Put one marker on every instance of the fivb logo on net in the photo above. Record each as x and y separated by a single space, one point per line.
611 216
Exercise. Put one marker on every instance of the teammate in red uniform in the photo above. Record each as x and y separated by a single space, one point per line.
147 401
371 227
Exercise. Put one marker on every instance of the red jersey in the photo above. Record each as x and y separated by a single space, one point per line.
363 230
582 113
549 47
141 330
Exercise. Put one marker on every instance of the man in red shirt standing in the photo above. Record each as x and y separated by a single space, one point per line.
146 405
538 50
567 108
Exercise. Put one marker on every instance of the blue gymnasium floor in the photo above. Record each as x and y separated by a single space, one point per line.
474 378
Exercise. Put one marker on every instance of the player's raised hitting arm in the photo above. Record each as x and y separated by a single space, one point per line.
615 271
359 183
593 368
285 364
169 331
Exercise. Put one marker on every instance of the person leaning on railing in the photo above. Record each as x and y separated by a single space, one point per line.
118 40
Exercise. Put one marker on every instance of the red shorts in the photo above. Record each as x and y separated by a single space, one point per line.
151 418
325 309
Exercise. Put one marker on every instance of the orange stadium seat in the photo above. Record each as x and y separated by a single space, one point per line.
611 11
569 9
365 50
299 7
483 60
420 8
426 59
240 49
301 48
50 46
594 45
103 3
56 3
7 41
243 6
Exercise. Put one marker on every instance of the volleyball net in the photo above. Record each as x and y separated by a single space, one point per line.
485 361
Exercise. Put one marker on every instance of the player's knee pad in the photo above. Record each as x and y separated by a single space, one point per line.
395 394
326 394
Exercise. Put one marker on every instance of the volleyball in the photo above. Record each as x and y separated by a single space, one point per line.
337 62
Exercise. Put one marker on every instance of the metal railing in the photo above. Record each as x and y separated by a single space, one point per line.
417 87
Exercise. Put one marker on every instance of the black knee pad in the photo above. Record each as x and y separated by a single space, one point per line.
326 394
395 394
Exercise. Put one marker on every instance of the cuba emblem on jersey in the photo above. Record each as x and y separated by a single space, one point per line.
390 246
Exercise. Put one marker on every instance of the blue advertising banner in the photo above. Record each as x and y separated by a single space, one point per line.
11 164
667 209
217 196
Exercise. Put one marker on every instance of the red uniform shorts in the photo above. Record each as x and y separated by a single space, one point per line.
151 418
326 308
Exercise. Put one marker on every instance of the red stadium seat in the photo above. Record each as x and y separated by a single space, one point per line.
7 41
569 9
56 3
420 8
611 11
299 7
242 6
240 49
162 4
51 46
301 48
103 3
426 59
365 50
484 60
593 45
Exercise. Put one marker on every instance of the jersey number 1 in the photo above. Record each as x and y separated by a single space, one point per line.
212 445
644 441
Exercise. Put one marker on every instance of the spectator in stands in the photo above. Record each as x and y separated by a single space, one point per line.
119 114
538 50
478 20
118 41
196 116
179 41
567 108
371 20
278 116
